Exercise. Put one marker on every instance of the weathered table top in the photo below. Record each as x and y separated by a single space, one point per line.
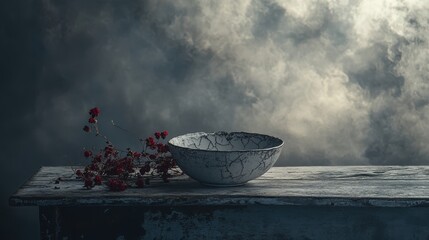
359 186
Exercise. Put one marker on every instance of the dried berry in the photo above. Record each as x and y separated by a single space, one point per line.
145 169
125 168
116 185
94 112
86 129
92 120
89 183
87 153
164 134
97 180
150 142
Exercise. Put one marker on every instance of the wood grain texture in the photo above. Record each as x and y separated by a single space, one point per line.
357 186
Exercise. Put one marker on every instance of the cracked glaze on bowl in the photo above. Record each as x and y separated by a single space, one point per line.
225 159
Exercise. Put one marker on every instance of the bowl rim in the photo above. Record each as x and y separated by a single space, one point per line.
228 151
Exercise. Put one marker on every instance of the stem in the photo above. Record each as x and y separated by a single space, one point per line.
130 133
97 133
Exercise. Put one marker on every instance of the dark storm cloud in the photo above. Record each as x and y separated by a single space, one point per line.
335 80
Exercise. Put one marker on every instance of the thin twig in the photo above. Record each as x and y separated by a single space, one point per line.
128 132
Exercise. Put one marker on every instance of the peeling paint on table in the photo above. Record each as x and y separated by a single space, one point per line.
343 202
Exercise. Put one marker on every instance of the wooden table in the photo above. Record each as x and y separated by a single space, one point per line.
348 202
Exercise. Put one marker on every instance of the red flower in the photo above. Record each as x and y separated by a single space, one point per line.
79 173
93 167
94 112
162 148
109 149
144 169
98 180
86 129
108 165
117 185
119 170
97 158
89 183
150 142
92 120
164 134
87 153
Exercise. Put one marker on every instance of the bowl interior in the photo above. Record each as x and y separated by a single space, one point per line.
222 141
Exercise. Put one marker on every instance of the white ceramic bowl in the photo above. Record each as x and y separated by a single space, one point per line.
225 159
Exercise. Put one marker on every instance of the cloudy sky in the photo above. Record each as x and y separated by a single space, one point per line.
341 82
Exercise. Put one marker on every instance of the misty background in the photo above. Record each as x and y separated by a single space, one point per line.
341 82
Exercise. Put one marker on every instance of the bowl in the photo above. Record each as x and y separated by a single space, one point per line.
225 159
